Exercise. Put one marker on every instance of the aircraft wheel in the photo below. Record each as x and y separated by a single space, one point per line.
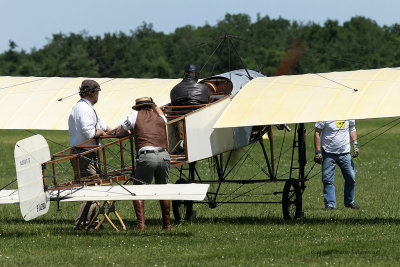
182 209
292 200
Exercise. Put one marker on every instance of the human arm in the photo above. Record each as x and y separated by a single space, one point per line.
159 112
128 125
157 109
356 149
353 136
121 132
317 145
103 126
317 139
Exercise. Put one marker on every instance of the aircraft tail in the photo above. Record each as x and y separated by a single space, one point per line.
29 154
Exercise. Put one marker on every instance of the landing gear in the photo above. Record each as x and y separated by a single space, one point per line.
182 209
292 200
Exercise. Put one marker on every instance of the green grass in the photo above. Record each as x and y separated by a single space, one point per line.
231 234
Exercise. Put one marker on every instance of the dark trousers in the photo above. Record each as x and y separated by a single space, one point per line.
87 167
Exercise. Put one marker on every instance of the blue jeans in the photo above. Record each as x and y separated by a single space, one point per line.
346 165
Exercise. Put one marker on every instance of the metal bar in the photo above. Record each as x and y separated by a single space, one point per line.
241 202
302 150
227 162
246 181
54 173
121 151
104 162
132 155
293 148
270 171
270 132
237 53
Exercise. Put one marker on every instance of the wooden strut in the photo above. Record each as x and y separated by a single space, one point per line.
102 210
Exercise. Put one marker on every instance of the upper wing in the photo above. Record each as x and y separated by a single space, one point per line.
32 102
346 95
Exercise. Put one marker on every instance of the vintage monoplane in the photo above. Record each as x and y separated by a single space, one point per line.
244 106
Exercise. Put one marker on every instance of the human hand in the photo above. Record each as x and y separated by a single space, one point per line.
318 157
99 132
356 150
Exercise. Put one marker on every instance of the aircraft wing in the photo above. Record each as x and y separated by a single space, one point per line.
345 95
32 102
9 196
133 192
196 192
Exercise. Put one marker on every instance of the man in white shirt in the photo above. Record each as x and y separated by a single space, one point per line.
83 124
334 138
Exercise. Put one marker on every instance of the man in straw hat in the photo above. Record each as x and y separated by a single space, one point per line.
147 123
84 124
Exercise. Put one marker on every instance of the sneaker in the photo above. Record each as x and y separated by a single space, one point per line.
353 205
329 208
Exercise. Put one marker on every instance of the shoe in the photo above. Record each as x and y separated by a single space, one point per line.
353 205
329 208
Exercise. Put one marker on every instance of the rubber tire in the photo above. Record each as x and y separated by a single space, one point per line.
182 209
292 200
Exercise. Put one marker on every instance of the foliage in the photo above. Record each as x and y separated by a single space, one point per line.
357 44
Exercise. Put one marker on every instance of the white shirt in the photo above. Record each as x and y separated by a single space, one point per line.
335 136
83 123
130 122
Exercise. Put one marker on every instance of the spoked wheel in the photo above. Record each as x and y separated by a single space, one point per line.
182 209
292 200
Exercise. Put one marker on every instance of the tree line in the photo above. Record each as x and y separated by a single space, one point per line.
264 45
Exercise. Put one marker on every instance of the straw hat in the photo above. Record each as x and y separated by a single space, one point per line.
143 101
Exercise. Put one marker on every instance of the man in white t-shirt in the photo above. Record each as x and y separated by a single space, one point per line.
332 147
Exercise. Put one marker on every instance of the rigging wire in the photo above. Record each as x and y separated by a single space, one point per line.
14 85
353 89
62 98
10 183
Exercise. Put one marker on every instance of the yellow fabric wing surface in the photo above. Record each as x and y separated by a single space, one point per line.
32 102
357 94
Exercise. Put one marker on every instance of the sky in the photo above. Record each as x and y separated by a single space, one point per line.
31 23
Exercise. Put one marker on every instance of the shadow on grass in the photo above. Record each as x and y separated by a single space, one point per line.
311 221
19 228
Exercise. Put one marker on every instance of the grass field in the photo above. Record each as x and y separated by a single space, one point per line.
230 235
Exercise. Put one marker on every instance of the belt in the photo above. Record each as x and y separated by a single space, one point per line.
152 151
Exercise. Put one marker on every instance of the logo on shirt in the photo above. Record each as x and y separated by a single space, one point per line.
340 124
127 124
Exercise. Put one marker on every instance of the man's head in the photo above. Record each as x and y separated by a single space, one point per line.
89 88
143 102
191 71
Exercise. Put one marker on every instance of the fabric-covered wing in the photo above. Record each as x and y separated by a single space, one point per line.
134 192
9 196
32 102
346 95
195 192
